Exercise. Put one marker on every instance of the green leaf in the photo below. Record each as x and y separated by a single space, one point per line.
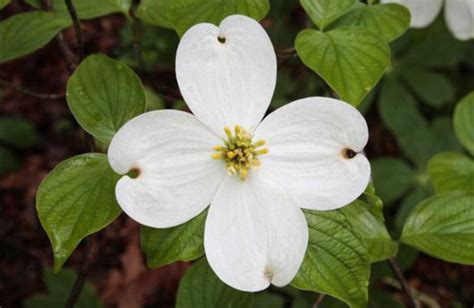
201 288
324 12
156 12
103 94
88 9
59 286
336 261
464 123
443 226
392 178
153 100
4 3
351 61
23 33
8 161
451 172
432 50
76 199
398 110
379 243
17 132
180 243
443 136
389 20
408 204
270 300
180 15
373 201
431 87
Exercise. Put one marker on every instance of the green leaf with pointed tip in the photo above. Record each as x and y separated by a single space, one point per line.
4 3
23 33
351 60
463 122
180 243
452 172
76 199
201 288
379 243
59 286
180 15
392 178
443 226
387 20
103 94
324 12
87 9
336 261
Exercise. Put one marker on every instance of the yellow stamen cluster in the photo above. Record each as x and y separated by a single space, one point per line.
239 152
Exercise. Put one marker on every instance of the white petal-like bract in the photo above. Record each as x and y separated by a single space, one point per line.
307 141
459 15
177 178
227 74
255 235
423 12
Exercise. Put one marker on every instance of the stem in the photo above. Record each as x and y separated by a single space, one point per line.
68 55
30 93
77 28
403 282
81 278
319 300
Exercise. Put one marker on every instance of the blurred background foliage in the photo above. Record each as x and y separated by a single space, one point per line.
409 115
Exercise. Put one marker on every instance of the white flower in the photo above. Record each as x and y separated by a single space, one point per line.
459 15
255 176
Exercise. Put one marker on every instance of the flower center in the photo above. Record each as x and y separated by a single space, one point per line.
239 152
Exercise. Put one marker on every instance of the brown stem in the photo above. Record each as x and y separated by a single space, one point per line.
68 55
403 282
319 300
77 28
30 93
81 277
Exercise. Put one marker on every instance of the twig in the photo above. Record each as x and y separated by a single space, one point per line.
30 93
81 277
319 300
77 28
422 297
68 55
284 54
403 282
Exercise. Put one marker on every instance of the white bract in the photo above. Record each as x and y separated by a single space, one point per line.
255 176
459 15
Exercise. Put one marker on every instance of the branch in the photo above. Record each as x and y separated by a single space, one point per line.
68 55
81 277
30 93
403 282
319 300
77 28
284 54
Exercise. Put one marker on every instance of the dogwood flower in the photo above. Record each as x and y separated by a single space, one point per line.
459 15
255 175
